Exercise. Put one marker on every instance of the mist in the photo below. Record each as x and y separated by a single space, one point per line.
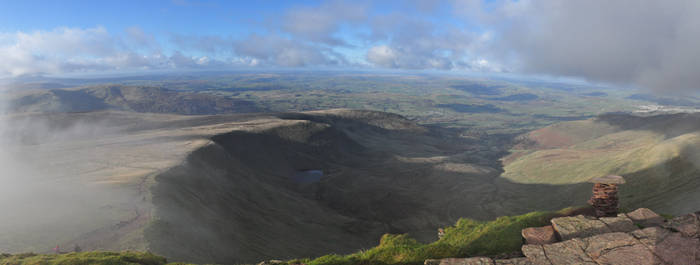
650 45
46 198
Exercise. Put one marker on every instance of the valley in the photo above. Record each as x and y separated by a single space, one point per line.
215 176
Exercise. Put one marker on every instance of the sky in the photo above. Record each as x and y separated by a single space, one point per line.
647 44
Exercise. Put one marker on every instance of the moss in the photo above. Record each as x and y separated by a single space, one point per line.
666 216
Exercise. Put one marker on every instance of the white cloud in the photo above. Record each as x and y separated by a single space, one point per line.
382 55
281 51
652 44
70 50
320 23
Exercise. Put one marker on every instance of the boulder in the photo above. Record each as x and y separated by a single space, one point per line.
650 236
619 224
535 253
645 217
567 252
629 255
687 224
617 248
539 235
677 249
578 226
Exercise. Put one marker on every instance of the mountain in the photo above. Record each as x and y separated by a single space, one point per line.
248 187
126 98
657 155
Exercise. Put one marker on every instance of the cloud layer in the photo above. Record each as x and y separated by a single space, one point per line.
653 44
648 44
69 50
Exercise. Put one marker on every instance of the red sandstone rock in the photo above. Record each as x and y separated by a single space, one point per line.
578 226
645 217
460 261
619 224
688 225
676 249
539 235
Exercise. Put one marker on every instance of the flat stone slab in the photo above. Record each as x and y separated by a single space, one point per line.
645 217
650 236
539 235
688 225
578 226
610 248
677 241
600 245
535 253
567 252
677 249
621 223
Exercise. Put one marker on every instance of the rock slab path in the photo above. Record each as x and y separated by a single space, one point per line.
639 237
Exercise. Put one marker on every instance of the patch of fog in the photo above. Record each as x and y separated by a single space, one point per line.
42 202
307 176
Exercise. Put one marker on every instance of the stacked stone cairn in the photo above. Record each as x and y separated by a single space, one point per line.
605 200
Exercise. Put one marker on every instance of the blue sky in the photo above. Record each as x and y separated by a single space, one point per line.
646 44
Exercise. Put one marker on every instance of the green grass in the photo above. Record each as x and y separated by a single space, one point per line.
80 258
465 239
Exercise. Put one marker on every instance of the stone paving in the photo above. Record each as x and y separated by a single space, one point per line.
639 237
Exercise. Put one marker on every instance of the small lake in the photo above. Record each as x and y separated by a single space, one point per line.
307 176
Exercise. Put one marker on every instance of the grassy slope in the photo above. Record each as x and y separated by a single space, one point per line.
500 237
657 155
80 258
466 238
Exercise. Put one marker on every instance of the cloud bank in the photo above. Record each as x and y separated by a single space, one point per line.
647 44
652 44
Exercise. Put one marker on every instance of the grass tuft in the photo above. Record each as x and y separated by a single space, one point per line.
465 239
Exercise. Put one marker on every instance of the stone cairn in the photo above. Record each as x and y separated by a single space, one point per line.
604 199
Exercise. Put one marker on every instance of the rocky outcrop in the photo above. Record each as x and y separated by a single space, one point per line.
645 217
578 226
638 237
539 235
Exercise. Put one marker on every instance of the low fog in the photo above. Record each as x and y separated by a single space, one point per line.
46 197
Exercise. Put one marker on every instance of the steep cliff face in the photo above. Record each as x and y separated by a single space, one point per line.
235 200
245 197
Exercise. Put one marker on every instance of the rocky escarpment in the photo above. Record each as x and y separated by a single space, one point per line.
638 237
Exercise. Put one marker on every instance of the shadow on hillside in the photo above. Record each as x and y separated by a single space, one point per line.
670 125
236 200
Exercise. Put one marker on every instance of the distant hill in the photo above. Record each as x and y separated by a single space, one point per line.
658 155
127 98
